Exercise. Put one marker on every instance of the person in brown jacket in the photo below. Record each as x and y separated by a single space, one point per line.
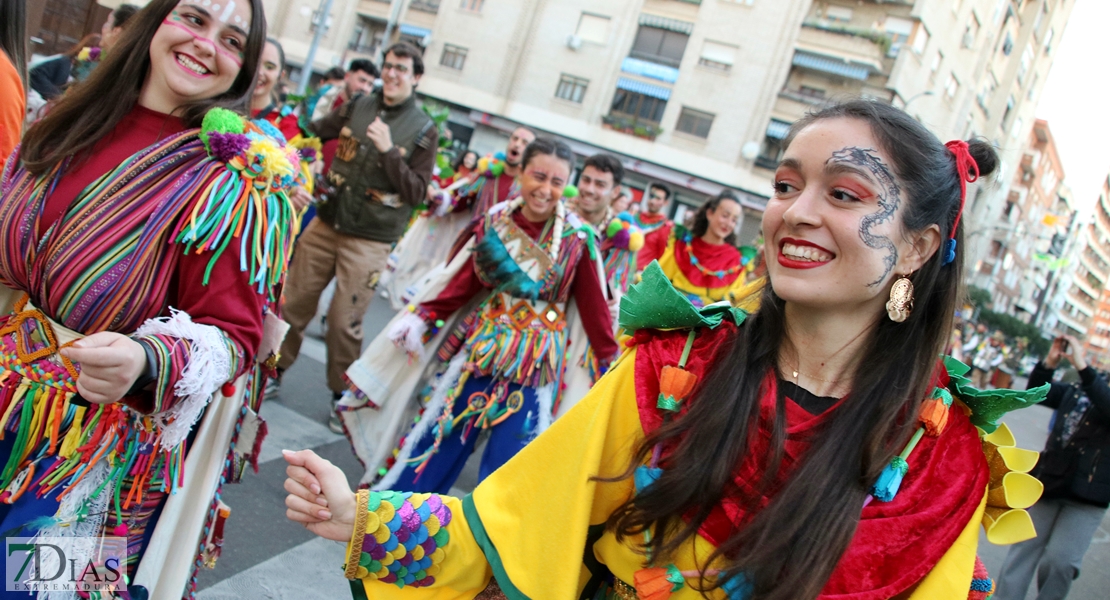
382 166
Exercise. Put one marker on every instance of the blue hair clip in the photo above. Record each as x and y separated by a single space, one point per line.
949 252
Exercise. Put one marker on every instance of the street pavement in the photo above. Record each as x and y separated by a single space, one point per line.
265 556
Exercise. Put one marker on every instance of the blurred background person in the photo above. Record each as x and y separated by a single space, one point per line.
113 26
49 76
623 200
1076 480
13 73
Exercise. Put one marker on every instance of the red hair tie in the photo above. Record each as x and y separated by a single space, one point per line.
968 170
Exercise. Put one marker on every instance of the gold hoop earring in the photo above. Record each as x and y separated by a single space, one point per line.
900 305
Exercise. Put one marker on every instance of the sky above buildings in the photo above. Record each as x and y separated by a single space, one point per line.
1076 101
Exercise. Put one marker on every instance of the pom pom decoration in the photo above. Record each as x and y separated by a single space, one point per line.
624 234
500 156
483 164
225 146
268 128
497 168
220 120
636 240
570 191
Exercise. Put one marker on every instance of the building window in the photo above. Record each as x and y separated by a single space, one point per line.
717 55
838 14
971 32
638 107
937 60
593 28
987 93
660 45
367 36
1008 44
571 88
1010 103
898 30
811 92
951 87
694 122
1026 62
471 5
454 57
920 39
1048 41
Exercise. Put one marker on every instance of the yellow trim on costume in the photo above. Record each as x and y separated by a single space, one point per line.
952 575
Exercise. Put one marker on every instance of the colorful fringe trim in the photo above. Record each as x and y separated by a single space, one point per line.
400 538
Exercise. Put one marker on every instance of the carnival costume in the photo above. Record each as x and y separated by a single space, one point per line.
656 228
706 273
538 525
500 368
429 241
181 244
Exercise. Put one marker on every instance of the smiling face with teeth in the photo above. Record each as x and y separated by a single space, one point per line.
197 53
833 228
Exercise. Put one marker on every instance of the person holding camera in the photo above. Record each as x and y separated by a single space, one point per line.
1075 470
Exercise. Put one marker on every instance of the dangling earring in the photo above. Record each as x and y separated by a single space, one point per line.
901 300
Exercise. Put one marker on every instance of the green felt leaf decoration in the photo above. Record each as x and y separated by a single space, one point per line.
654 303
988 406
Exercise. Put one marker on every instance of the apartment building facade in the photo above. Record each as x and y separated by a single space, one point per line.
1093 270
700 93
1026 251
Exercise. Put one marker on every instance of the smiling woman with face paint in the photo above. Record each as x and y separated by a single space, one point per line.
131 197
811 449
704 263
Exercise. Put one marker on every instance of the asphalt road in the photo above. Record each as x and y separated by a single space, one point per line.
267 557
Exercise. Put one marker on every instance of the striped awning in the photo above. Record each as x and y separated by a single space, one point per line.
832 66
639 87
666 23
414 31
778 129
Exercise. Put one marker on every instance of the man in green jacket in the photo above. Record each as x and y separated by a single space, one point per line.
382 166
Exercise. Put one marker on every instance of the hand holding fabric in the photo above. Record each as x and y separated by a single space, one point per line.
300 198
319 496
110 364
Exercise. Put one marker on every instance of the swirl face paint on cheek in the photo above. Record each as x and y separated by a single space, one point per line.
889 198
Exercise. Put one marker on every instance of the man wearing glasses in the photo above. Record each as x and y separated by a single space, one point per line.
382 166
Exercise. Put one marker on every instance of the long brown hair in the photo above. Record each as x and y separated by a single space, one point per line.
789 548
91 109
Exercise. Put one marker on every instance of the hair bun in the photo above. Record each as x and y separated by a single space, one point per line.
986 158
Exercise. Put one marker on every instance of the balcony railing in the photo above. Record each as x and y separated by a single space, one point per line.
431 6
356 47
640 129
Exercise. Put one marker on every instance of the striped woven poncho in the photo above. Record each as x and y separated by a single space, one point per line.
109 265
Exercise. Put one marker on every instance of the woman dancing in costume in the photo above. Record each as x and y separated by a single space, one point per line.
147 229
703 262
729 455
502 367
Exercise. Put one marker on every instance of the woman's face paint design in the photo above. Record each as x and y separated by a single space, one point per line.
197 53
888 198
832 227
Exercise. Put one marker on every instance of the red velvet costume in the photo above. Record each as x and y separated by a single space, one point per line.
655 237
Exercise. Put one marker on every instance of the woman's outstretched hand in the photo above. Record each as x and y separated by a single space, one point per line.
319 496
